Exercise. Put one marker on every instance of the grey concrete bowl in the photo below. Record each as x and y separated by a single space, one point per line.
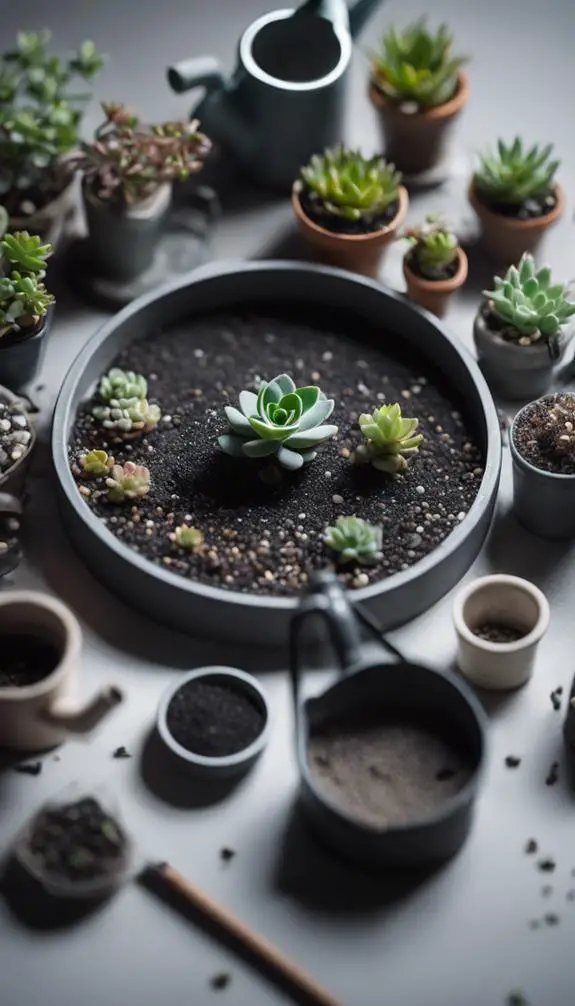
195 607
230 765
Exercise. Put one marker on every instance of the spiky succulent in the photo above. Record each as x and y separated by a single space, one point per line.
391 439
128 482
515 174
122 384
281 420
96 463
434 246
24 298
26 251
128 417
190 538
343 183
529 305
355 540
416 65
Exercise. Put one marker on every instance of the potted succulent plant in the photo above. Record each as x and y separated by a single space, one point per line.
128 173
354 540
24 305
435 266
542 444
516 198
417 88
349 208
390 439
40 117
518 330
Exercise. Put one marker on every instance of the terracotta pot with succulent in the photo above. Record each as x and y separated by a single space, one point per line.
518 330
24 305
418 89
435 266
516 198
40 118
542 443
128 173
349 208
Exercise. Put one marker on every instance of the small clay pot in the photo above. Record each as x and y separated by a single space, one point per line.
506 238
434 294
361 253
513 372
415 142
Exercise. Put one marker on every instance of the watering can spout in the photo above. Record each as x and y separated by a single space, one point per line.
360 13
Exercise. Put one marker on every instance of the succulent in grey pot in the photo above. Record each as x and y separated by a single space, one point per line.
542 443
519 330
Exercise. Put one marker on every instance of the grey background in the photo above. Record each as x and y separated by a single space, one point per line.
461 937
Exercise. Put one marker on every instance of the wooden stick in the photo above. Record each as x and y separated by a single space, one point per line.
261 948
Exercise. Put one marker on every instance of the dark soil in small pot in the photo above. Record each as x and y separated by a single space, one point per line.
509 230
542 443
514 372
122 240
25 660
214 718
262 538
434 294
499 632
22 352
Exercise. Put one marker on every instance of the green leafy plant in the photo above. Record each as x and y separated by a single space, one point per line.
189 538
24 299
515 174
434 247
416 65
281 420
122 384
26 251
391 439
128 482
343 183
96 463
354 540
128 417
39 115
530 307
127 161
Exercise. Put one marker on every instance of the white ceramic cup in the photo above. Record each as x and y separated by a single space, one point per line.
508 600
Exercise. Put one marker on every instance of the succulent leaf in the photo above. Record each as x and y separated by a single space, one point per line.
128 417
342 183
355 540
127 482
189 538
122 384
514 175
390 439
96 463
417 66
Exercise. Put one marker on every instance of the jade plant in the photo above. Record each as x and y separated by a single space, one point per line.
416 65
391 439
342 183
281 420
41 110
514 173
434 247
95 463
189 538
24 299
529 307
127 482
125 409
355 540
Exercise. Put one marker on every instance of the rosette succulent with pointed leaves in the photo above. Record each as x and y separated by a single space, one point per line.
515 174
24 299
281 421
122 384
391 439
189 538
128 417
96 463
530 306
416 65
434 246
343 183
128 482
354 540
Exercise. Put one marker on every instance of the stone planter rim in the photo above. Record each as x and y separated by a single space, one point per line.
352 239
501 579
522 462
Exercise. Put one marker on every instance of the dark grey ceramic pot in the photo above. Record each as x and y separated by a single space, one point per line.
122 243
543 501
21 355
515 373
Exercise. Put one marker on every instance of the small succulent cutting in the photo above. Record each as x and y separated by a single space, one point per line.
434 247
128 482
354 540
189 538
281 420
122 384
24 299
96 463
391 439
514 174
530 306
416 65
343 183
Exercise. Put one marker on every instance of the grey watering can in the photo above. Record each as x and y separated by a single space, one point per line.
284 101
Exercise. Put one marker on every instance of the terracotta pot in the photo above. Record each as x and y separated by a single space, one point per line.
434 294
506 238
513 372
361 253
416 142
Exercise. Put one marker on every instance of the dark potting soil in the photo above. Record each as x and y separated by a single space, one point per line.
266 539
498 632
77 841
25 660
537 206
414 265
214 719
386 773
544 434
339 225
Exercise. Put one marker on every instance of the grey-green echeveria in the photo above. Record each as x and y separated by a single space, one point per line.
281 420
355 540
122 384
128 417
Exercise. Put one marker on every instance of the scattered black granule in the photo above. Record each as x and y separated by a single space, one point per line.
512 761
547 891
555 699
29 768
445 773
517 998
551 919
121 753
221 980
571 895
553 774
546 865
531 846
227 854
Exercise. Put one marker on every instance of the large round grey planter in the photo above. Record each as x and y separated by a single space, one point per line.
513 372
195 607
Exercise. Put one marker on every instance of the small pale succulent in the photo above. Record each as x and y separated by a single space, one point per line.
281 420
96 463
434 246
128 417
343 183
515 174
354 540
190 538
531 306
128 482
391 439
122 384
417 65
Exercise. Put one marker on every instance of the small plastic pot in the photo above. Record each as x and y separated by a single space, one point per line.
506 238
513 372
225 766
506 600
50 221
434 294
122 242
21 354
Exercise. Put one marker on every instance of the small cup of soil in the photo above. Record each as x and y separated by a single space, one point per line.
215 721
499 621
542 444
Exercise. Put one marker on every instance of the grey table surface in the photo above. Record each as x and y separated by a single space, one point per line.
460 937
